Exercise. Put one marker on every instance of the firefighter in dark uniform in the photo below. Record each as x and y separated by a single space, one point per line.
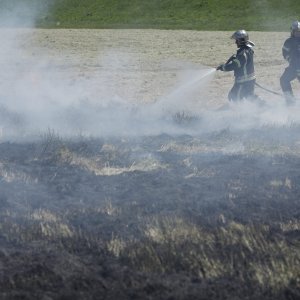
291 53
243 67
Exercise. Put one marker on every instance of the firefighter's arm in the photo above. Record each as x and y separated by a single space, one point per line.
220 67
286 49
223 67
231 65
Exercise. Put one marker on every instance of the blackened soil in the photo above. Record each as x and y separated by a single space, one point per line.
76 215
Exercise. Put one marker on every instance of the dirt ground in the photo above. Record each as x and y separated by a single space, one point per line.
149 61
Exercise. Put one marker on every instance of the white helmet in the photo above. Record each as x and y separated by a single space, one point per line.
242 38
295 29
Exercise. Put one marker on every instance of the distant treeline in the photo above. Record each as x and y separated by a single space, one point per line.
269 15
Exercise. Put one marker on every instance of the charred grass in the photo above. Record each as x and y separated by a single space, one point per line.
162 217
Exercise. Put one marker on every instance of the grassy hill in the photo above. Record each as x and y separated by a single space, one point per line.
270 15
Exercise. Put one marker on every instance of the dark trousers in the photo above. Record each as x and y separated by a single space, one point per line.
240 91
288 75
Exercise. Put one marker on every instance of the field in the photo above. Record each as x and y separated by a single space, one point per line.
125 173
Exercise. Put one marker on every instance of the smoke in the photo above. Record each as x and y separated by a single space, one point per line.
37 95
22 13
39 92
248 115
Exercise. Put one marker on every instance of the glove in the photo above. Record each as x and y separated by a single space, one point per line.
220 68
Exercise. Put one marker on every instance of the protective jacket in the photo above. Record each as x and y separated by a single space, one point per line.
242 64
291 52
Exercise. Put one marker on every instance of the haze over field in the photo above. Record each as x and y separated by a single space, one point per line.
126 174
46 83
130 83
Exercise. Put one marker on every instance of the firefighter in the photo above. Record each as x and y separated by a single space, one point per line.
291 53
243 67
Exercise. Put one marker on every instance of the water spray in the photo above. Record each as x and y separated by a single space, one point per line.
178 104
189 85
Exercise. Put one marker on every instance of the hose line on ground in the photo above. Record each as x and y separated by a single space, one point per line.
268 90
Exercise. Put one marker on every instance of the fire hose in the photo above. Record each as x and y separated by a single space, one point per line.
268 90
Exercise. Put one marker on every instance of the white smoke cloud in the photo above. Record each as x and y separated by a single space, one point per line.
38 93
36 96
22 13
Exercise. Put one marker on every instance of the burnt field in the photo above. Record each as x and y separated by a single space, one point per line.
215 216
